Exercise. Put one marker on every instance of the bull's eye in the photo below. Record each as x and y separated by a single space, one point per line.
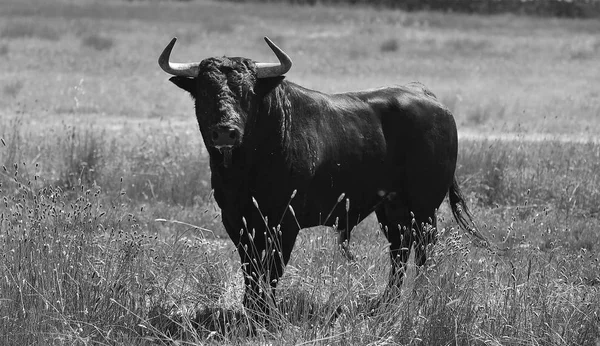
203 93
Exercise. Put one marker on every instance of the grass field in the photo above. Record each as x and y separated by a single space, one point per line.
97 145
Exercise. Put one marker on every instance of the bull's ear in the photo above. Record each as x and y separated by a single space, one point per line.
185 83
265 85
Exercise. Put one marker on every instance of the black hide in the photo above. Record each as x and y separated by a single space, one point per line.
391 150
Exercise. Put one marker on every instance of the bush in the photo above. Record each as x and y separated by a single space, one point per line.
552 8
390 45
12 89
14 30
82 158
97 42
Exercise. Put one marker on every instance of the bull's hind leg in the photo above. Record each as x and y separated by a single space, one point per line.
425 229
395 219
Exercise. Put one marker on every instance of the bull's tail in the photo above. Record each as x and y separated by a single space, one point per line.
463 215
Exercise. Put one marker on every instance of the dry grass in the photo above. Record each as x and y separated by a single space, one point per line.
12 89
96 145
79 268
541 72
29 29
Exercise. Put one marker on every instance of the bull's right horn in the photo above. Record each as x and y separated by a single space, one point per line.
269 69
189 69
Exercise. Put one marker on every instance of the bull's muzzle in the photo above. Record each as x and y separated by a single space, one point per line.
224 136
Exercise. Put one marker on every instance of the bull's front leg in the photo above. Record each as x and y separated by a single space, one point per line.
258 296
256 299
262 262
264 254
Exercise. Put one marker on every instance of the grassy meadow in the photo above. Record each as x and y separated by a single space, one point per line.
110 235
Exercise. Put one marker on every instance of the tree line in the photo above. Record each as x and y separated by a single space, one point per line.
546 8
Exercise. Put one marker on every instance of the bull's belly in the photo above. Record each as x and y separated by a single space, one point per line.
417 182
341 204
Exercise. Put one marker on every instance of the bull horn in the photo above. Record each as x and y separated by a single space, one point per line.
269 69
190 69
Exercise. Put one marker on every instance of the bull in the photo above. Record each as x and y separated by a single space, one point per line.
284 157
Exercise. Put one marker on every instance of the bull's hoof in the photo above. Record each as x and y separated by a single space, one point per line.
220 322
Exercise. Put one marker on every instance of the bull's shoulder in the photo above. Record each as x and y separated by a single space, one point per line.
416 97
419 87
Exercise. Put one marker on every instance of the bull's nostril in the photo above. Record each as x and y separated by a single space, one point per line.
224 135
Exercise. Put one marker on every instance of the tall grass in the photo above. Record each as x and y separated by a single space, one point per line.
81 273
79 269
77 265
152 164
553 184
89 162
163 172
84 263
71 268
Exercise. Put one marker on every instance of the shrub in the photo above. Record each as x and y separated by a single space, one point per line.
390 45
15 30
13 88
482 113
82 158
12 141
97 42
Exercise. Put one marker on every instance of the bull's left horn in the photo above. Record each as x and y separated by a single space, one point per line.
189 69
269 69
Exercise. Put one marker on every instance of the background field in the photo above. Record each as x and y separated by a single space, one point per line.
97 145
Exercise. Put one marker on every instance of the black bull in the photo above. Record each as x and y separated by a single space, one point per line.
284 157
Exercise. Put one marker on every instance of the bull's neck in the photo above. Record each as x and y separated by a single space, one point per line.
265 142
267 138
262 154
273 121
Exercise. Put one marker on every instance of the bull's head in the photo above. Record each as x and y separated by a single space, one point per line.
226 91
